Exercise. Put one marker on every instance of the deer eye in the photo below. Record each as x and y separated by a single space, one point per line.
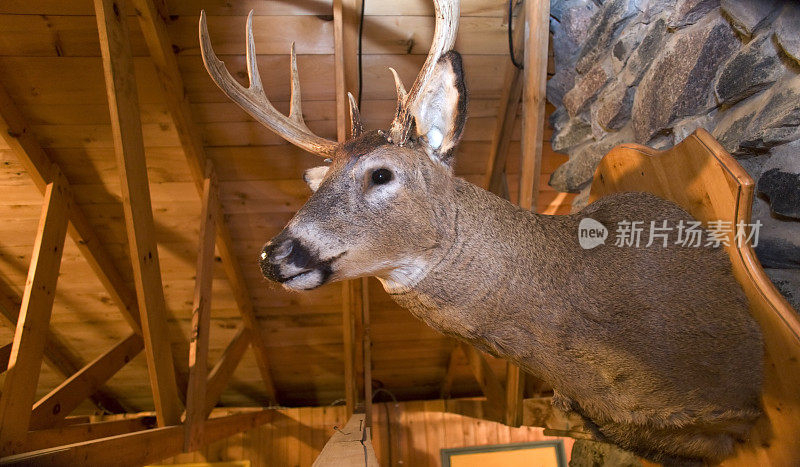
381 176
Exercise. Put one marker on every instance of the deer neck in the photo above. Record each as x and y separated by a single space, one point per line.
492 270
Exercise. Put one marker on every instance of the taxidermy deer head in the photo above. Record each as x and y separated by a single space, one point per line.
654 348
378 187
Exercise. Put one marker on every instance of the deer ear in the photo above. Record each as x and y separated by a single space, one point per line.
314 176
441 111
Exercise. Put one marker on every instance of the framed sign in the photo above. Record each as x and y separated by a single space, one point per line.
535 454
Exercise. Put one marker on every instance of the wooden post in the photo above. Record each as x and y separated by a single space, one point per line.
126 127
25 361
537 35
351 317
366 352
201 316
355 293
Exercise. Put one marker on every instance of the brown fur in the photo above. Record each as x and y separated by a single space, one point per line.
654 347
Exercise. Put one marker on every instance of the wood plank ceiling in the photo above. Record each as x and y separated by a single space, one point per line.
51 66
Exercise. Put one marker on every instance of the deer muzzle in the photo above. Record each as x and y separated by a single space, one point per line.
289 262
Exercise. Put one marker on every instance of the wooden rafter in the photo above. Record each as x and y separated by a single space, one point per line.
68 395
160 47
25 362
140 447
17 134
126 128
201 316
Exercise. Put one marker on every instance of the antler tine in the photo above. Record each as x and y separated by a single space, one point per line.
253 99
252 61
401 93
356 127
295 105
444 36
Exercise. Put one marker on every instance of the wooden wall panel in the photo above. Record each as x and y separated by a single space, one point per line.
407 433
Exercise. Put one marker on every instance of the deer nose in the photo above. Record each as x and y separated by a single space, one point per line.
278 251
288 251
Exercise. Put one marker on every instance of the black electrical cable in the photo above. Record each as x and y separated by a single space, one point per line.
511 35
360 69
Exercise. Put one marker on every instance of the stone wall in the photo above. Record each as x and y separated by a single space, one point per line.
653 71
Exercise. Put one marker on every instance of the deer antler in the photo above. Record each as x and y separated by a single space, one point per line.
444 37
253 99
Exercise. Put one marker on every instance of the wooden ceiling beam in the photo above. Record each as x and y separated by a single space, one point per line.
141 447
80 432
161 51
201 317
65 398
19 388
126 127
16 132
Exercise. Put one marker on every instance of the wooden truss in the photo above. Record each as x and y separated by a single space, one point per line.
36 432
